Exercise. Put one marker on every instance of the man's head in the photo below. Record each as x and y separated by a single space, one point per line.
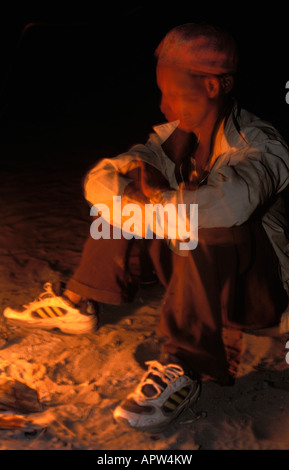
195 69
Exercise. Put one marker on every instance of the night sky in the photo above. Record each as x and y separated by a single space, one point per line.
89 76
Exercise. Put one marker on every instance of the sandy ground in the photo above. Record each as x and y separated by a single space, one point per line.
80 379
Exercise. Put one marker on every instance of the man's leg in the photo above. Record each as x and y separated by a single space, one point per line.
231 278
191 318
104 273
220 282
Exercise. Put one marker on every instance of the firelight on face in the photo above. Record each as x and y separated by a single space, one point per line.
184 97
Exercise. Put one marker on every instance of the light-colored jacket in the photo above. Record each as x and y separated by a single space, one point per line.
248 169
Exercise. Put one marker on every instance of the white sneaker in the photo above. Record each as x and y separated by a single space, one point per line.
50 311
163 393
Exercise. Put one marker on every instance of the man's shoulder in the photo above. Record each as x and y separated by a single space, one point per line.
253 129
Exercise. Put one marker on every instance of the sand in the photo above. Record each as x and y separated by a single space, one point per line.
80 379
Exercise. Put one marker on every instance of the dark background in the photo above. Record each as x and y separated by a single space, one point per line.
86 78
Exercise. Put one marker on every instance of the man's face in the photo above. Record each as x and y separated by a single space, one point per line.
184 98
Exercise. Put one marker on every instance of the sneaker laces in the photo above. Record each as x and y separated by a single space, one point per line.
48 293
157 378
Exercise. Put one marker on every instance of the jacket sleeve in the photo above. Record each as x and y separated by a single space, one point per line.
108 178
111 176
234 190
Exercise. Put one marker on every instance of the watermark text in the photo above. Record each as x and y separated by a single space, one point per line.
169 221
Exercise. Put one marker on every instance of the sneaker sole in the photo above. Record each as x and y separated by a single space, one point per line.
77 330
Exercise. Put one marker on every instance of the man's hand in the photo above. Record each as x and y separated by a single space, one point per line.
147 185
152 181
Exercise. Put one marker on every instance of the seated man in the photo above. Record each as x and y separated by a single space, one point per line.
235 167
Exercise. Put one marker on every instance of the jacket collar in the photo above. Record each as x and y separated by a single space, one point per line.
228 136
164 130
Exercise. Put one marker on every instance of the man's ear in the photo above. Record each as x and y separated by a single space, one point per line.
212 85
